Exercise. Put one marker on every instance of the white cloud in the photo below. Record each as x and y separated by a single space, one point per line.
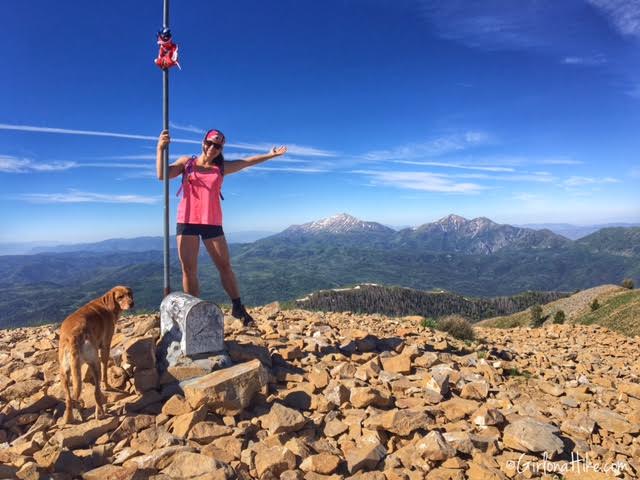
634 91
518 177
435 147
10 164
489 25
287 159
577 181
456 165
290 169
186 128
588 61
623 14
526 197
291 148
145 156
424 181
560 161
76 196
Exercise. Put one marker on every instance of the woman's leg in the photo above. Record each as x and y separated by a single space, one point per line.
219 253
188 246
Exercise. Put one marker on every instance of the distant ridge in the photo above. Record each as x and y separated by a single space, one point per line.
339 224
400 301
481 235
575 232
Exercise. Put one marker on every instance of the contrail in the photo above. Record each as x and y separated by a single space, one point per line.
93 133
295 149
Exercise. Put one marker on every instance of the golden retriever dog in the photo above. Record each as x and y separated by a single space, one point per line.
83 334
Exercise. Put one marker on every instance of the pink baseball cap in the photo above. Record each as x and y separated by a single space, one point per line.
214 136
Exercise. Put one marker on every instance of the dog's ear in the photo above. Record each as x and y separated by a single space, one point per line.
110 300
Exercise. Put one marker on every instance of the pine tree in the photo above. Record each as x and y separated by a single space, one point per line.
536 316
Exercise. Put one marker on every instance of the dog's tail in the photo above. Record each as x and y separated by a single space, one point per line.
69 360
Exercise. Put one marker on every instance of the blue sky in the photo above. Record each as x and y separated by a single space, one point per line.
396 112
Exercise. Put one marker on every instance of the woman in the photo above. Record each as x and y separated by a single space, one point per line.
200 212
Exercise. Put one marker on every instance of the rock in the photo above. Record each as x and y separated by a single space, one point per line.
458 408
55 458
140 353
437 382
323 463
131 425
319 377
179 373
227 391
396 364
281 419
158 459
335 428
145 380
631 389
434 447
274 460
182 423
336 393
400 422
176 405
551 388
28 471
532 436
475 390
84 434
21 390
153 438
195 465
484 417
117 377
205 432
478 471
581 426
362 397
244 352
110 472
612 421
365 456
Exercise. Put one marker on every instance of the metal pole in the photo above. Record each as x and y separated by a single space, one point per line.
165 159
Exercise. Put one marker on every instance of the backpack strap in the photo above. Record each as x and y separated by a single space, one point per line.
188 170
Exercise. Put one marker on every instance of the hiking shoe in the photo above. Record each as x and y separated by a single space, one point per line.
241 313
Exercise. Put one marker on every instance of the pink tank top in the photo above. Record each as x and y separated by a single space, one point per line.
200 203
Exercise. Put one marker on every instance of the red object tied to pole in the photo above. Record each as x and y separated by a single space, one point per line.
168 54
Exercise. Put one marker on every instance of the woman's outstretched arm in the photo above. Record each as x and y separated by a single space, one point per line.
234 166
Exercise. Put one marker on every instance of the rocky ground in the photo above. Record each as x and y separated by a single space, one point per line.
331 396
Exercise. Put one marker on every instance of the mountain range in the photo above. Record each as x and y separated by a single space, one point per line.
574 232
475 257
337 224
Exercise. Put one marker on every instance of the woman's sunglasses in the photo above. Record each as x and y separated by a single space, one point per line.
209 143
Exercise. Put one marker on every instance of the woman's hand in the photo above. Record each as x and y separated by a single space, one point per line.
163 140
277 151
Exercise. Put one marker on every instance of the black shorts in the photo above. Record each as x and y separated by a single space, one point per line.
204 231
